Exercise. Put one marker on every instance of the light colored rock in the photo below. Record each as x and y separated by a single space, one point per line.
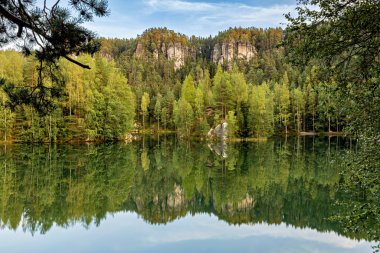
220 131
210 133
177 53
155 54
246 203
177 198
139 50
245 51
226 52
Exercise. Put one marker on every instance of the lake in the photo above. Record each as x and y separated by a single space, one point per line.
166 195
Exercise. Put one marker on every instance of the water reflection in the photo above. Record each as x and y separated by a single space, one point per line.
283 182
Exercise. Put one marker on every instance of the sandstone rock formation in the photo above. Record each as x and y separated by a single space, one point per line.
226 52
175 52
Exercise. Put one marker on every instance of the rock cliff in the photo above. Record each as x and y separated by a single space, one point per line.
228 46
228 51
175 52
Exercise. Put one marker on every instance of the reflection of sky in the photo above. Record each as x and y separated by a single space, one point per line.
124 232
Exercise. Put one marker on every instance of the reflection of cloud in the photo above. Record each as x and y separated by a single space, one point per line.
203 227
126 232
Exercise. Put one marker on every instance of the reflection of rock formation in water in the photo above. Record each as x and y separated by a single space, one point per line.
219 148
247 203
161 207
176 199
244 205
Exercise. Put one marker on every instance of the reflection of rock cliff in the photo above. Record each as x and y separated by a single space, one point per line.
242 206
176 199
228 51
161 208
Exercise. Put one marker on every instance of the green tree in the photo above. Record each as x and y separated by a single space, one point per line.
145 101
310 103
232 124
223 93
261 110
158 110
343 36
183 116
44 29
188 91
298 108
283 102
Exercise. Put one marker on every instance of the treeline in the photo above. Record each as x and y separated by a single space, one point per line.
97 105
251 110
258 98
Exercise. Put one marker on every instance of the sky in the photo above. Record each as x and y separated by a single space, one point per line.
130 18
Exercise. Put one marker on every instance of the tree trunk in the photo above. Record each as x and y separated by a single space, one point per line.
49 128
329 124
5 124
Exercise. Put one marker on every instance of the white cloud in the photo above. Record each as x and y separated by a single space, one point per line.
178 5
232 14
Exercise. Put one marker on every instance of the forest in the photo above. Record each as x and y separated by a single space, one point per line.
64 84
163 81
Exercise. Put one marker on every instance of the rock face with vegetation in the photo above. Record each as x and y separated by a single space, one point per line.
176 47
226 52
220 131
165 80
164 43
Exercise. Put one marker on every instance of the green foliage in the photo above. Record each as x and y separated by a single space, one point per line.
188 91
183 116
342 36
52 32
293 182
232 124
145 101
99 105
261 110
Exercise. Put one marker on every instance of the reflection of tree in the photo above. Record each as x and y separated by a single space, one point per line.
271 182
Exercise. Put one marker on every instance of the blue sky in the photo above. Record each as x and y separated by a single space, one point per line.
129 18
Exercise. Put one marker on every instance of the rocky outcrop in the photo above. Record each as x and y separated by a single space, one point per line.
247 203
223 53
245 51
176 199
220 131
244 205
175 52
226 52
140 50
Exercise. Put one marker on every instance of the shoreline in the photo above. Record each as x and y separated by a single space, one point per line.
136 136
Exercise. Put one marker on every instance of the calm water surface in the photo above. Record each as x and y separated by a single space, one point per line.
164 195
